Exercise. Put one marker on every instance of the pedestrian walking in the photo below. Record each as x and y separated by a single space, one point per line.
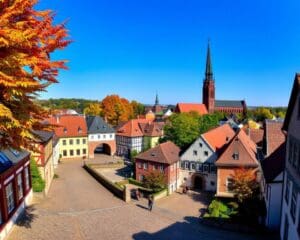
150 203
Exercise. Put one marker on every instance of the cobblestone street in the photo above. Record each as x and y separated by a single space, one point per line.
78 207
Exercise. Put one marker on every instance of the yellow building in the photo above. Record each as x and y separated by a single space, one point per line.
72 133
152 133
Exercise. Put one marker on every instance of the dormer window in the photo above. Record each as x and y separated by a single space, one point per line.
227 138
79 130
65 130
235 156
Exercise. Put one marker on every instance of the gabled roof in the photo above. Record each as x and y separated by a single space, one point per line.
292 102
131 128
167 153
218 137
43 136
96 124
273 135
153 129
242 145
69 125
273 165
191 107
230 103
256 135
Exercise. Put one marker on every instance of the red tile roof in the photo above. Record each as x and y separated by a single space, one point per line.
131 128
256 135
153 129
69 125
191 107
242 145
274 136
218 137
167 153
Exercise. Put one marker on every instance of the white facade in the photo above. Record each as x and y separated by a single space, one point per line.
198 161
290 215
55 154
273 200
127 144
95 137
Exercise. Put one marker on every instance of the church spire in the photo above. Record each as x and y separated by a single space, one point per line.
156 100
208 70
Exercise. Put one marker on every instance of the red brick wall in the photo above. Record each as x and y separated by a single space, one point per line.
223 174
170 176
94 144
229 109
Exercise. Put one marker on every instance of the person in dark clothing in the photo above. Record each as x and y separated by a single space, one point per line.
150 203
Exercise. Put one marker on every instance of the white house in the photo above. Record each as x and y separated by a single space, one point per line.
290 214
198 168
273 167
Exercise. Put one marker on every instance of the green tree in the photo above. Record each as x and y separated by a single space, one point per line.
155 180
93 109
138 108
182 129
209 121
261 114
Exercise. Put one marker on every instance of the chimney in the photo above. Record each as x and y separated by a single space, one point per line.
57 118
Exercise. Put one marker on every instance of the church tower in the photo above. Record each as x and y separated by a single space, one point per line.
208 90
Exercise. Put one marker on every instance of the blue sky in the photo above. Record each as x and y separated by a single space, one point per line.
136 48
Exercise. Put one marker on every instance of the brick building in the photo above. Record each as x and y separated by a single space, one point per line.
163 158
241 152
15 187
101 136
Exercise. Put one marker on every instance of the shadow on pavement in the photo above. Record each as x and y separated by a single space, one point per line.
27 217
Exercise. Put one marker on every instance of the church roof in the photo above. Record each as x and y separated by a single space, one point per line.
191 107
230 103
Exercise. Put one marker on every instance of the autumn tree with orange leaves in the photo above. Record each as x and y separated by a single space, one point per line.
27 39
245 183
116 109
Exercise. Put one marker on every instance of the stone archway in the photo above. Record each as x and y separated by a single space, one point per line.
102 147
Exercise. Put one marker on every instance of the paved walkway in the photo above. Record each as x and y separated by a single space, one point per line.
78 207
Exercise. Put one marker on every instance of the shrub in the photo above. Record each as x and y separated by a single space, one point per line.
155 180
218 209
38 184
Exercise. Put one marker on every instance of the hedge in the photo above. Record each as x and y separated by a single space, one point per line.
38 184
135 182
112 187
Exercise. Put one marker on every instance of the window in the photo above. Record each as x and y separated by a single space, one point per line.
186 165
92 137
212 183
195 152
71 152
110 135
205 153
71 141
64 142
229 184
64 153
235 156
79 130
199 167
193 166
77 141
84 151
84 141
99 136
142 177
10 197
26 171
287 192
65 130
145 166
293 203
139 165
104 136
78 152
213 169
161 167
182 164
20 186
155 167
205 168
200 145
